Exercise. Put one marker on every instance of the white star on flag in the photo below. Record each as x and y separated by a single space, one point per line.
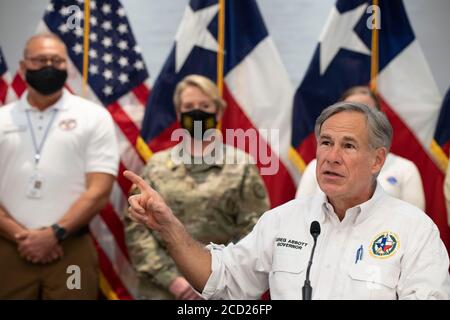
123 78
121 12
107 74
193 31
78 32
123 61
77 48
63 28
107 42
107 90
122 28
106 9
93 53
107 25
107 58
93 37
338 33
122 45
93 69
139 65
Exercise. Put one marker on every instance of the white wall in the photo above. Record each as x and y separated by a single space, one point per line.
294 25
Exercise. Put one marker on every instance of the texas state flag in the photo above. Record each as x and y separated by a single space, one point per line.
256 85
407 89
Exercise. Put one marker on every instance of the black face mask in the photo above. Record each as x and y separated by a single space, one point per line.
46 80
208 121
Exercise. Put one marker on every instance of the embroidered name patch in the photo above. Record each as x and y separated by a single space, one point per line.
290 243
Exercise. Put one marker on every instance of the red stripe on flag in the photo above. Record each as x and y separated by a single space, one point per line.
124 122
123 182
405 144
142 93
280 186
163 141
115 225
110 274
19 85
3 90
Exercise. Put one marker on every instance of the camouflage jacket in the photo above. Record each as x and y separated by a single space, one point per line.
217 203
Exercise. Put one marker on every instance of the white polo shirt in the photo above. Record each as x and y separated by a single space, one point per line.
399 177
81 139
402 255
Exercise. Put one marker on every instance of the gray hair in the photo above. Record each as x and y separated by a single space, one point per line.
380 130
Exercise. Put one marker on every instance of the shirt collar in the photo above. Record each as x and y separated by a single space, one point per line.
58 105
361 211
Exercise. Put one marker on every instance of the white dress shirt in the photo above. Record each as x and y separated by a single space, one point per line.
81 139
402 254
399 177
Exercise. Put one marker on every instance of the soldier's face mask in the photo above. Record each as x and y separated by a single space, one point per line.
197 122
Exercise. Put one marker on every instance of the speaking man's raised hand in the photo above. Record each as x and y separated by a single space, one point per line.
148 207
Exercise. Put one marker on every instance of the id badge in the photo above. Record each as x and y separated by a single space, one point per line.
35 185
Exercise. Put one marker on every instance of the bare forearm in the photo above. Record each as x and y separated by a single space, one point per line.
95 197
8 226
82 211
192 258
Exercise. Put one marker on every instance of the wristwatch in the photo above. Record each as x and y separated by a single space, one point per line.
60 233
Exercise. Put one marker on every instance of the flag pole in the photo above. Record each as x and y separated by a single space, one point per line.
374 50
87 14
221 42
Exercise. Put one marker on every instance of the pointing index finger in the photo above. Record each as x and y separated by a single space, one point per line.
138 181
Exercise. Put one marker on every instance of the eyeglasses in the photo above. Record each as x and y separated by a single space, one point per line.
43 61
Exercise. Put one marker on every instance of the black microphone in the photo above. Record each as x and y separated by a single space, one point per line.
307 289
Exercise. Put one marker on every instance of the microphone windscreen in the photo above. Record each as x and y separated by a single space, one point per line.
315 228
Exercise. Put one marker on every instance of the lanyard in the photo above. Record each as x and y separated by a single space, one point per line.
38 149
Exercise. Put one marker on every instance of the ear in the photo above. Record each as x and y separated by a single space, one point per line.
379 159
22 68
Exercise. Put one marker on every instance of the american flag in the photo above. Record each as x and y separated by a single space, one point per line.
117 80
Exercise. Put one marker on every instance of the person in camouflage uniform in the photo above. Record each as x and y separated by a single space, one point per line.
218 202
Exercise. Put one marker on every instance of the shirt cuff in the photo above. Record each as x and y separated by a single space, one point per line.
212 285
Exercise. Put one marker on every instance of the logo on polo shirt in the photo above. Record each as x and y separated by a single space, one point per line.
384 245
68 124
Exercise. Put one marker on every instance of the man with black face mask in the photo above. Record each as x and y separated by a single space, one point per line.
58 160
217 200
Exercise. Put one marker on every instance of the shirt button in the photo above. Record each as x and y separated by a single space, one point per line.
328 266
41 117
39 128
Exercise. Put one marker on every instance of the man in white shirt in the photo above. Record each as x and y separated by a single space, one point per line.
399 177
372 246
58 160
